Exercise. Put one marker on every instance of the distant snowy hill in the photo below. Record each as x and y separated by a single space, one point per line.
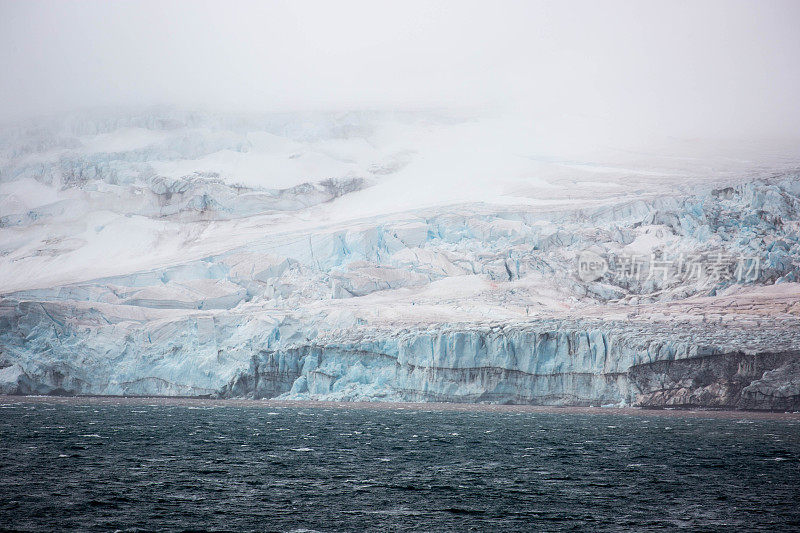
395 256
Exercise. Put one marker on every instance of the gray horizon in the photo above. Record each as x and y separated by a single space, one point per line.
705 69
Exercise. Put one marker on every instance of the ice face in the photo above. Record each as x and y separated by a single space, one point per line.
134 262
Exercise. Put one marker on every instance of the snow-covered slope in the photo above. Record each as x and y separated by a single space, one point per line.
414 256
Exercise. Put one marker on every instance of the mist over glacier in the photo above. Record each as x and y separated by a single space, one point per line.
299 201
363 256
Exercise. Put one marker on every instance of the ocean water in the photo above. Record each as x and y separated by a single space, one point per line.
122 466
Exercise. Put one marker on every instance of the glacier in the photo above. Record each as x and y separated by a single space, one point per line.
315 256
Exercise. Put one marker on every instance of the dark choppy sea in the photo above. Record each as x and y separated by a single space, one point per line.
132 466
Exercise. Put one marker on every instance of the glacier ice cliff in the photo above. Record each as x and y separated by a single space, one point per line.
148 254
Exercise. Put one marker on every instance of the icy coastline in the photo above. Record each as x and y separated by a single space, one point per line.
185 255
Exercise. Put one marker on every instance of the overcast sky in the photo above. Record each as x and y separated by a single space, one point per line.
723 68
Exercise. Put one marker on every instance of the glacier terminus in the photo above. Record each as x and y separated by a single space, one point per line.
312 256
